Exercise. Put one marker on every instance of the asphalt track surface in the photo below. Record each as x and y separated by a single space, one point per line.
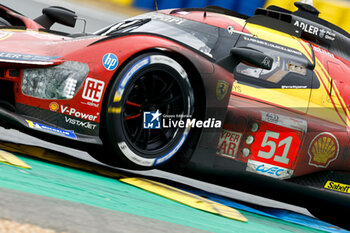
62 216
97 19
62 188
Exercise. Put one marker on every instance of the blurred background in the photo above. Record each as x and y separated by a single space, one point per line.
335 11
100 13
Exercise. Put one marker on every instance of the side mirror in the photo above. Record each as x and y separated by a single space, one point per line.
252 57
56 14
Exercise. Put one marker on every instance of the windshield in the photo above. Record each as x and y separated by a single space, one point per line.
199 36
122 26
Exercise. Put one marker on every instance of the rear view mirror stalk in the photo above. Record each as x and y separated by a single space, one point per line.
56 14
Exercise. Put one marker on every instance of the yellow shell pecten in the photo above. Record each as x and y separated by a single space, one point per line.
323 149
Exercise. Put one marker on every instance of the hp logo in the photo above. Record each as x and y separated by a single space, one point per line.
110 61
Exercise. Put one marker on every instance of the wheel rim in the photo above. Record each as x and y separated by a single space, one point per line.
152 91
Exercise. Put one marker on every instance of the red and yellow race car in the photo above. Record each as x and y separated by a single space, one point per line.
258 103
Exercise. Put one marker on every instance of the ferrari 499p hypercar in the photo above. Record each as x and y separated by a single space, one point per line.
262 99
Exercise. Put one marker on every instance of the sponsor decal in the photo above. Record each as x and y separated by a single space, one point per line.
229 143
276 145
329 35
236 88
307 28
314 30
322 33
270 117
25 57
54 106
323 150
221 89
269 170
110 61
271 45
86 125
167 18
323 51
293 87
72 112
52 130
91 104
156 120
93 90
344 188
285 121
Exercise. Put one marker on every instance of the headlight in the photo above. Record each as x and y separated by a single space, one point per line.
56 82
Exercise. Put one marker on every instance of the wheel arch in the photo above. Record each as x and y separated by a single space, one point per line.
184 155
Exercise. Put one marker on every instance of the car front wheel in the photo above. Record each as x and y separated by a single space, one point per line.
150 88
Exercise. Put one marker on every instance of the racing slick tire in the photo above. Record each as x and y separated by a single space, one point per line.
150 87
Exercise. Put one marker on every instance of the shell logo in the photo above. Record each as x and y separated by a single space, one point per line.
323 149
53 106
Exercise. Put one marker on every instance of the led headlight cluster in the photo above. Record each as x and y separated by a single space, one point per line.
56 82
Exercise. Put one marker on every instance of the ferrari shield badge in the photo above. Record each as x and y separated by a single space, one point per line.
323 149
221 89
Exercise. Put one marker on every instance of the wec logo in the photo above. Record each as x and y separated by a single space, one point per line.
276 171
269 169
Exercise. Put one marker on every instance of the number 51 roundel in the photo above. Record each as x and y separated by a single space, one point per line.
274 150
